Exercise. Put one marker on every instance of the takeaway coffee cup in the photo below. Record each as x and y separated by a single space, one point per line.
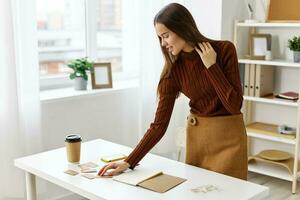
73 143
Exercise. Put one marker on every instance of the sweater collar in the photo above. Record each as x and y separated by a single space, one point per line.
189 55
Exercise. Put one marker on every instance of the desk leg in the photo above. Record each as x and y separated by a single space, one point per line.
30 186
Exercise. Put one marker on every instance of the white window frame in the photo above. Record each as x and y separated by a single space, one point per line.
129 69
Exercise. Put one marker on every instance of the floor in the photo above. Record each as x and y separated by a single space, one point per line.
279 189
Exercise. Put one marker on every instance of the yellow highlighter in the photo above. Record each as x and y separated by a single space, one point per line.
112 158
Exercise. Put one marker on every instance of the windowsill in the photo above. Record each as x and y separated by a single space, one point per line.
53 95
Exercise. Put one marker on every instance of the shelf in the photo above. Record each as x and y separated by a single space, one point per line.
268 132
280 169
260 24
263 131
270 170
62 94
275 62
272 100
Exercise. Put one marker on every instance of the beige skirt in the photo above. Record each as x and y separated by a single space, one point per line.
218 144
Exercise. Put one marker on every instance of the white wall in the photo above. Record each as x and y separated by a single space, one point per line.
231 10
111 116
207 14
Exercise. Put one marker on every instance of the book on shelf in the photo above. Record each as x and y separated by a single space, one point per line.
252 80
258 80
242 74
288 95
246 79
264 78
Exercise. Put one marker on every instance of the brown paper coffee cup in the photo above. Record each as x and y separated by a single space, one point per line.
73 145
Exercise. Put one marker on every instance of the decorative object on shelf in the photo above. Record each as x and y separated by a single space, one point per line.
268 55
267 130
287 11
250 12
294 45
284 129
288 164
259 45
274 155
288 95
101 76
269 50
79 75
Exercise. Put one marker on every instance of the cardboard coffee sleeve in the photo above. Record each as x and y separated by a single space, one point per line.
73 145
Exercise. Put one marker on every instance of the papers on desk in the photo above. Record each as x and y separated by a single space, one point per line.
150 179
147 178
137 176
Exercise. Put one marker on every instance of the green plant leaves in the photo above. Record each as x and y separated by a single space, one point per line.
72 76
85 77
80 66
294 44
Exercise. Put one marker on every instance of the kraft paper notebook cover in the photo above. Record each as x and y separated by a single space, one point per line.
150 179
161 183
136 176
264 78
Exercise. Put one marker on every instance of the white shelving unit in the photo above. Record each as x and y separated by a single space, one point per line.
275 62
261 167
272 25
271 101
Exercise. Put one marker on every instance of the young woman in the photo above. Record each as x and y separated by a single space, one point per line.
206 71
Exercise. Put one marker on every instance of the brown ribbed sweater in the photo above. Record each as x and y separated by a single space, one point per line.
212 92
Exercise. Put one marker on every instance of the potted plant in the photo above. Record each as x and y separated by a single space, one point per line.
79 75
294 45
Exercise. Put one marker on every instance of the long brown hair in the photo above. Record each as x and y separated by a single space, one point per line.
179 20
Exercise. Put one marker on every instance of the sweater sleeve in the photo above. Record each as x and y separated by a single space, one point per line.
226 79
168 93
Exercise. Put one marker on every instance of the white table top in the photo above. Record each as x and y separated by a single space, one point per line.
51 165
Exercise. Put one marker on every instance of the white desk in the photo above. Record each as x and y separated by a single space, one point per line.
50 166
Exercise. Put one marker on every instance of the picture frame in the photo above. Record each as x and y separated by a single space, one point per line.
259 45
101 75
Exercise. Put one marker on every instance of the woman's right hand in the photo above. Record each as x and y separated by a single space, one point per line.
118 167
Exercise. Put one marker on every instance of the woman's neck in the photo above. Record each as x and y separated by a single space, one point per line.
188 48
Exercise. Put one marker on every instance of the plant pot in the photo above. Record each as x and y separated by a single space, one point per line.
80 83
296 56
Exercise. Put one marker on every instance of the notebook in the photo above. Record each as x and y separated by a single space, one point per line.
136 176
150 179
288 95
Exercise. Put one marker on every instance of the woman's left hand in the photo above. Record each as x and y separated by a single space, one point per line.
207 54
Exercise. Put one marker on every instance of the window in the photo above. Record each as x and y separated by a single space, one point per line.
62 34
109 32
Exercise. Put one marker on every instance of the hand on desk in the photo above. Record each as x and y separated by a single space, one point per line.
118 167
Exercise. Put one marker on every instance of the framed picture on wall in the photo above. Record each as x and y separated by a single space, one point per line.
101 76
259 45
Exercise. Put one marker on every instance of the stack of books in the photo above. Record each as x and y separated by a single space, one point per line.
288 95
